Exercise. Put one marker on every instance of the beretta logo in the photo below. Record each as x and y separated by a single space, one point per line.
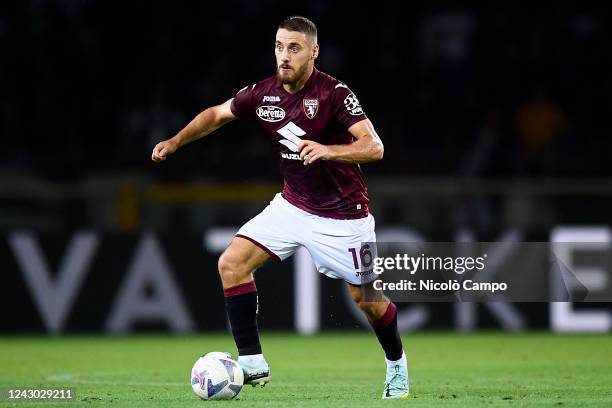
271 113
311 107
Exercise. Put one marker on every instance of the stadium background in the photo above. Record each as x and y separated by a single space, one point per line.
496 123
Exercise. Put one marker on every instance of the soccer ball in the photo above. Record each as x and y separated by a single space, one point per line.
216 376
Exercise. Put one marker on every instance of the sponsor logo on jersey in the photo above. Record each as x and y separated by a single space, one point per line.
268 98
311 107
270 113
352 105
292 136
290 156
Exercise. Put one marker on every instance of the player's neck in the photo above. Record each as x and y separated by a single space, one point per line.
298 85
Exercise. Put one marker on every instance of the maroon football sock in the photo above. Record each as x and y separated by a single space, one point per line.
387 333
241 308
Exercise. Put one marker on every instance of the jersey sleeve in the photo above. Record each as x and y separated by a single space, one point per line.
347 108
242 104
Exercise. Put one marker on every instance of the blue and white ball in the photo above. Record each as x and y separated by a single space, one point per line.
216 376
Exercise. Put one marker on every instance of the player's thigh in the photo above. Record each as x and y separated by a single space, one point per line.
239 260
344 249
276 230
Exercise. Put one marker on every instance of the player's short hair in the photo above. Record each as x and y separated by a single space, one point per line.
299 24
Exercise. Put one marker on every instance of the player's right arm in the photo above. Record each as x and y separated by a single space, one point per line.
204 123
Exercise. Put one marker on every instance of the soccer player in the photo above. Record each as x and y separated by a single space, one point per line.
321 133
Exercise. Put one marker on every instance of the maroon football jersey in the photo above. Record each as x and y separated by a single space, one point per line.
321 111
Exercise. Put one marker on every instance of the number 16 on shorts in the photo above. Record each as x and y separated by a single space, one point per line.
363 259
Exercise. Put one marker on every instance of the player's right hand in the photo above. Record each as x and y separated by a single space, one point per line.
164 149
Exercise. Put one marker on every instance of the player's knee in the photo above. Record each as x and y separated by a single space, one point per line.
230 270
368 308
371 309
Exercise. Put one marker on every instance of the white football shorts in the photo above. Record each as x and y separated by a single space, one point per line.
338 248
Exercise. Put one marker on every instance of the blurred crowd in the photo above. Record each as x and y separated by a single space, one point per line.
89 86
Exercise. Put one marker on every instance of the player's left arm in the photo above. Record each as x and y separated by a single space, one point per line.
366 147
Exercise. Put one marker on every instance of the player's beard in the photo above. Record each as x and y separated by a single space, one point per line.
293 76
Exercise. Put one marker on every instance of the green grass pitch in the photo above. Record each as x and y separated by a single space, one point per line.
341 369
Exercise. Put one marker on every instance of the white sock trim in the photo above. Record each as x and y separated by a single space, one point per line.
252 359
402 361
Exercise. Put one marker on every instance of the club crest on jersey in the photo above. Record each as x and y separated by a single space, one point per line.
311 107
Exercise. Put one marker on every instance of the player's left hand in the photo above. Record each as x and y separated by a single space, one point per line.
311 151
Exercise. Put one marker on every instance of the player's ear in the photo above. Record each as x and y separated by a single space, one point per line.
315 51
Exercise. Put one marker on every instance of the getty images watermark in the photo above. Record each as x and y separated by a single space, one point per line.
487 271
411 265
